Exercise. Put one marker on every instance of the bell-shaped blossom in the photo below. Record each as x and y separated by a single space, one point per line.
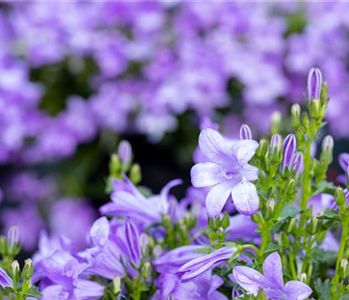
298 163
200 265
271 281
127 201
227 173
245 132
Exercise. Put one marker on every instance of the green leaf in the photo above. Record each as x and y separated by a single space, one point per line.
271 247
288 211
33 292
329 214
323 187
323 289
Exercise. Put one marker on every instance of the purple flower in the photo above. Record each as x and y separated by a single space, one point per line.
271 281
227 173
314 83
200 265
344 161
127 201
289 147
298 163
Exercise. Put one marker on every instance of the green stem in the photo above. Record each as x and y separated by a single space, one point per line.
340 255
265 241
307 181
292 266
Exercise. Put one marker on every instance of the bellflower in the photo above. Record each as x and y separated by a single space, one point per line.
289 148
271 281
200 265
226 173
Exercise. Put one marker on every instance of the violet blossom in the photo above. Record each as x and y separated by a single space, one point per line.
227 173
271 281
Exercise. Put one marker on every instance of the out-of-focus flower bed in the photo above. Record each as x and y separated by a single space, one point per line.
76 76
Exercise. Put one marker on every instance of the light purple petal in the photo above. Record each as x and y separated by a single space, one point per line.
272 269
249 279
244 150
55 292
343 160
5 280
245 198
214 146
132 242
99 232
297 290
89 290
216 199
250 172
200 265
205 174
289 147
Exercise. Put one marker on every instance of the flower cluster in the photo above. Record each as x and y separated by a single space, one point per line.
260 222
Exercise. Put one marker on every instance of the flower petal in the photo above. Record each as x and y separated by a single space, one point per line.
245 198
249 279
214 146
205 174
216 199
250 172
272 269
343 160
244 150
99 232
297 290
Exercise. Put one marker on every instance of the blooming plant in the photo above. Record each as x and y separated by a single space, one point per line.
260 222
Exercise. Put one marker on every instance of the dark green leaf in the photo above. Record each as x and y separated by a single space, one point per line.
271 247
33 292
329 214
288 211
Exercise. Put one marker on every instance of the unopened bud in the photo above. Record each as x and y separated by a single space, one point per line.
28 269
125 152
262 149
313 226
256 218
298 164
269 210
316 109
136 174
289 147
296 115
339 196
146 270
314 83
326 156
117 285
115 166
286 241
13 237
291 226
275 148
245 132
304 278
343 268
275 123
225 221
16 271
290 187
306 121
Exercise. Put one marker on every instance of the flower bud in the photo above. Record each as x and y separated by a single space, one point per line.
28 269
269 210
327 150
115 166
324 91
146 270
304 277
291 226
245 132
136 174
339 196
298 163
262 149
16 271
316 109
256 218
275 148
296 115
314 83
290 187
117 285
286 241
125 152
343 268
275 122
313 226
306 121
225 221
13 237
289 148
